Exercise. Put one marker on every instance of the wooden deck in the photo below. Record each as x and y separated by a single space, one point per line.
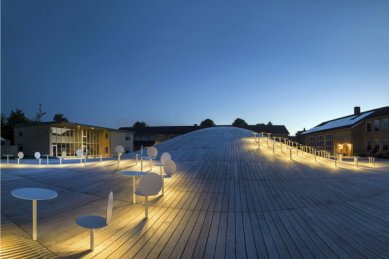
228 199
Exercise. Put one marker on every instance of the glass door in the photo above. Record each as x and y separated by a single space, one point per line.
84 139
54 150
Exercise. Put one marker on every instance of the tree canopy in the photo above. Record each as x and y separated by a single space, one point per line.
8 123
59 117
207 123
140 124
16 117
239 123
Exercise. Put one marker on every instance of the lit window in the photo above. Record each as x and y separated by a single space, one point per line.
376 125
368 126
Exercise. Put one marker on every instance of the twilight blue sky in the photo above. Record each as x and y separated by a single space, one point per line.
110 63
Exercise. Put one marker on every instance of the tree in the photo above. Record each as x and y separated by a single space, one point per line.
239 123
59 117
299 136
3 120
207 123
39 114
140 124
16 117
269 123
5 132
8 124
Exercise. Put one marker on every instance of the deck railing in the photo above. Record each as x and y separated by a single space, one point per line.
296 148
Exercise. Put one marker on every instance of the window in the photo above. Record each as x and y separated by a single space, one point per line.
368 126
329 140
385 124
312 141
127 138
376 125
70 140
106 135
368 146
320 141
385 145
376 145
20 134
329 143
105 150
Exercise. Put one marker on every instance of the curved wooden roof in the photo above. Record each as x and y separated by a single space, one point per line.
228 199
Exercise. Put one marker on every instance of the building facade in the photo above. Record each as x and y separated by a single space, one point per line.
360 134
55 137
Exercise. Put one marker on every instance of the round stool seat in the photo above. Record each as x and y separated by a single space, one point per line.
91 222
139 192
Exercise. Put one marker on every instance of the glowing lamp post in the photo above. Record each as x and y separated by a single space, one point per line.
268 136
257 139
80 154
255 136
62 157
356 160
372 160
119 150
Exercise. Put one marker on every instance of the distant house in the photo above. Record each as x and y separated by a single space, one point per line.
361 133
149 136
55 137
275 130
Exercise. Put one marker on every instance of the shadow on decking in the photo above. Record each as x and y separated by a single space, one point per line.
78 255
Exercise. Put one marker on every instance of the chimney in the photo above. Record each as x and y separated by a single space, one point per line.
357 110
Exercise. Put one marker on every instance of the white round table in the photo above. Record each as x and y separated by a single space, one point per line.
133 174
8 156
34 194
47 158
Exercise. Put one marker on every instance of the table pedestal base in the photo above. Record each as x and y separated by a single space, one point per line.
34 220
92 239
